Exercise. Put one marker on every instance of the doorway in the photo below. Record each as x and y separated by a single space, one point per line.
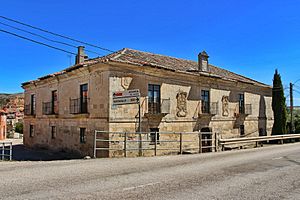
206 139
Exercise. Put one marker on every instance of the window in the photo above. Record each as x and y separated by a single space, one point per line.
205 101
82 135
154 131
242 130
241 104
32 102
83 98
31 130
53 132
54 102
153 99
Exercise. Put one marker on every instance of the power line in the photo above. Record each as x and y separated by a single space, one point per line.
297 91
41 43
38 35
56 34
296 81
297 86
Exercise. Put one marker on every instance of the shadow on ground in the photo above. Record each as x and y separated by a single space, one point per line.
21 153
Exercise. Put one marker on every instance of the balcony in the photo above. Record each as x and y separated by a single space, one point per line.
79 106
49 108
244 110
158 106
209 108
28 110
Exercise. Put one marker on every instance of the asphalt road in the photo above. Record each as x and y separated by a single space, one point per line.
264 173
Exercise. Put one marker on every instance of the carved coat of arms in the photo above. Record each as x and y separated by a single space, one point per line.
225 102
181 104
125 82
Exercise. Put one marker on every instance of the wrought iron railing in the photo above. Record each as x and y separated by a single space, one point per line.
158 106
79 106
49 108
209 108
28 110
245 109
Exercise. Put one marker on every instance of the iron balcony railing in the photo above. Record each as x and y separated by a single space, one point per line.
49 108
28 110
158 106
245 109
79 106
209 108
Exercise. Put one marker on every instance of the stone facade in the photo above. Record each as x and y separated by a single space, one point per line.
190 99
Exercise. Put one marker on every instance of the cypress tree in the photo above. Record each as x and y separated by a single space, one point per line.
278 106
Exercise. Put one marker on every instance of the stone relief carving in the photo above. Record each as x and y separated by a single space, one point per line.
225 102
181 104
125 82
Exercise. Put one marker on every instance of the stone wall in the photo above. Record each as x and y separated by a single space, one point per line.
68 125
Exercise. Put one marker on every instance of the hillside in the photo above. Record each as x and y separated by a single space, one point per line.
4 98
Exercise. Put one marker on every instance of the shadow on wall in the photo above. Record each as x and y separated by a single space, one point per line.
202 122
22 153
234 96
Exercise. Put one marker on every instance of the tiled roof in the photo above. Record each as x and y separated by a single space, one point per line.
146 59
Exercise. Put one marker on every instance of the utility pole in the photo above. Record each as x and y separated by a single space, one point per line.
292 108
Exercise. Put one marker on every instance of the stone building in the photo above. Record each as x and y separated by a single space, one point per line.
15 112
2 125
63 110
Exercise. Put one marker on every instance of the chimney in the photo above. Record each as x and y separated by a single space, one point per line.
203 62
81 56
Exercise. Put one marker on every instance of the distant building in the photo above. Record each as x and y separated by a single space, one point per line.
63 110
15 111
2 125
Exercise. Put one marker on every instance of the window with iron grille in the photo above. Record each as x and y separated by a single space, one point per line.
27 109
53 132
31 130
80 105
32 102
241 104
153 99
47 108
54 102
205 101
83 98
82 135
74 106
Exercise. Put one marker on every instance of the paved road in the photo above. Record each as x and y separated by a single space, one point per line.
264 173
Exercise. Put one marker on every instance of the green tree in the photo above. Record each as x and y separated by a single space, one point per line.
278 106
19 127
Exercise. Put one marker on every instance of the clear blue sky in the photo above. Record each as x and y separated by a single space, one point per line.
251 38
